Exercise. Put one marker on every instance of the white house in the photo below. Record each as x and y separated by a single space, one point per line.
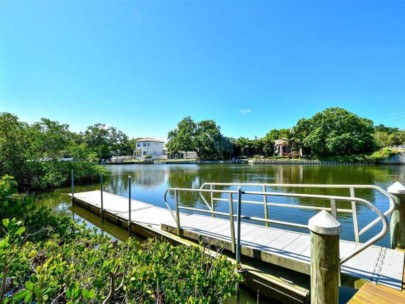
150 146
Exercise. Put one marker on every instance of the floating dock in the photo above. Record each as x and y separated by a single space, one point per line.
280 247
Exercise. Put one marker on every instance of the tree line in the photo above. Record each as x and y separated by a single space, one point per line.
334 132
27 151
51 139
26 148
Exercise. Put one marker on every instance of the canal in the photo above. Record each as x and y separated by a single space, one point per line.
149 183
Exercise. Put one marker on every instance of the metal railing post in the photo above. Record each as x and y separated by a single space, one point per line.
355 219
176 196
72 178
239 227
334 199
232 222
333 207
129 205
102 199
266 210
212 200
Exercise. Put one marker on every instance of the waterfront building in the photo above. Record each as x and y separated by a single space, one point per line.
149 146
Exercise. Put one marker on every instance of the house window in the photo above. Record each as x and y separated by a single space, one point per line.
144 153
138 145
144 144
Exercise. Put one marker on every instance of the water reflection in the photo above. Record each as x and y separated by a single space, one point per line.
193 176
149 183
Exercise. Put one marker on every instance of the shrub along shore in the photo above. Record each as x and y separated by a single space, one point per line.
47 258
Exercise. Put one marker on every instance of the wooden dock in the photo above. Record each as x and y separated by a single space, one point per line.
373 293
292 249
284 248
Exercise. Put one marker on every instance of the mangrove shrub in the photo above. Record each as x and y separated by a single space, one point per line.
46 258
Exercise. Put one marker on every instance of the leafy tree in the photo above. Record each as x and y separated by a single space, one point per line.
269 140
107 141
15 146
258 145
243 144
381 139
24 147
204 138
387 136
397 138
225 147
207 139
50 139
336 132
182 137
131 147
385 129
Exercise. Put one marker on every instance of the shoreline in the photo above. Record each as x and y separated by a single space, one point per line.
266 162
398 159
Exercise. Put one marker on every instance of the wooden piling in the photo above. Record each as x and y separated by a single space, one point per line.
397 223
325 268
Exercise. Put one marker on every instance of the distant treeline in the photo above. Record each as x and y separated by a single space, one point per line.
334 132
28 151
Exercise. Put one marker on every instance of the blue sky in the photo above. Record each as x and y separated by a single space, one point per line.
251 66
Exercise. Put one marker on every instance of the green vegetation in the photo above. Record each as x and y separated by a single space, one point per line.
45 258
204 138
384 154
386 136
333 134
29 153
104 141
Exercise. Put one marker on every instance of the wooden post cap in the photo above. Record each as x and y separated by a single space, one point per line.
324 223
396 188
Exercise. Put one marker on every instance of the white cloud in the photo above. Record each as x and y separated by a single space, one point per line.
245 111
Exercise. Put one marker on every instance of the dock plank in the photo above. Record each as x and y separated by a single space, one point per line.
389 269
365 263
261 238
372 293
284 241
299 244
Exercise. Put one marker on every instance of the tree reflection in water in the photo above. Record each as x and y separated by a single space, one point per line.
149 183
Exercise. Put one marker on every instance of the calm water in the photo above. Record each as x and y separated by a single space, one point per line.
149 183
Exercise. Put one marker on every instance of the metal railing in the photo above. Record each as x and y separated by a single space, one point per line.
233 194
